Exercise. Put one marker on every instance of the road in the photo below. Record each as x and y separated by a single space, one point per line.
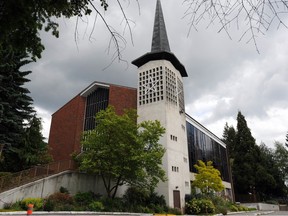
254 213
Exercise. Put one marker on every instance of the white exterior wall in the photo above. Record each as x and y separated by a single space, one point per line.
175 123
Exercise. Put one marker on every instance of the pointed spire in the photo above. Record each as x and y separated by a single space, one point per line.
160 39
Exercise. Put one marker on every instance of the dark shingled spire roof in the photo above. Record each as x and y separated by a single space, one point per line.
160 49
159 40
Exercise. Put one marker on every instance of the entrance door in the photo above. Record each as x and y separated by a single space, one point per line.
176 198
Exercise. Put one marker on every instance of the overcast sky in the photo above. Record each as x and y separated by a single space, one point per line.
224 76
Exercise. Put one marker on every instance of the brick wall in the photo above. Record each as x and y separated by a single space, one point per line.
67 123
122 98
66 129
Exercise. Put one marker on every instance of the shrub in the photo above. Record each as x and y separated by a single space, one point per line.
222 209
37 202
48 205
136 196
234 208
63 190
61 198
7 205
196 206
96 206
85 198
111 205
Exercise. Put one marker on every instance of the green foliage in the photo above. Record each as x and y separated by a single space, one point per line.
61 198
199 206
59 202
63 190
234 208
207 179
23 20
34 150
49 205
96 206
15 108
84 199
123 152
37 202
249 161
113 205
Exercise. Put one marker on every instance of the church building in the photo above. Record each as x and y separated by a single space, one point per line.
159 96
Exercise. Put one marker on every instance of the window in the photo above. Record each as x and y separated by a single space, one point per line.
203 147
95 102
150 83
175 169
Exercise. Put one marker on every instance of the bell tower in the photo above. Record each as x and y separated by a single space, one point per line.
160 96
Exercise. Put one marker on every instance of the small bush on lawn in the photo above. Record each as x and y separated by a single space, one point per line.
84 199
96 206
199 206
37 202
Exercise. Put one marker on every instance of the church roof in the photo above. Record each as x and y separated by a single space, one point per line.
160 49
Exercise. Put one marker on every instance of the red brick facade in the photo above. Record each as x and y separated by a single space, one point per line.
122 98
68 122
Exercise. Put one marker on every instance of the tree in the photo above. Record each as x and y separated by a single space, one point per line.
123 152
15 107
251 161
34 150
208 179
255 17
229 138
244 164
281 157
21 21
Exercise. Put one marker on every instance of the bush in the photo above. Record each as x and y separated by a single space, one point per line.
136 196
96 206
198 206
84 199
48 205
234 208
222 209
37 202
63 190
111 205
61 198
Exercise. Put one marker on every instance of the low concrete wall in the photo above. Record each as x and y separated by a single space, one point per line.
267 207
262 206
73 181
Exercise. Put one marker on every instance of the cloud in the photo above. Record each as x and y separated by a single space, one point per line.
225 75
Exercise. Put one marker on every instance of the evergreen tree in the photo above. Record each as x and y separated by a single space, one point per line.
244 164
34 150
15 107
257 170
229 138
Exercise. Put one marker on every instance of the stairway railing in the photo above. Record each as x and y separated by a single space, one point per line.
12 180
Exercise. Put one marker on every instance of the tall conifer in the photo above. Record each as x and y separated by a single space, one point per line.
15 107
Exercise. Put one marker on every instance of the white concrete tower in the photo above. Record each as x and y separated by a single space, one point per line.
161 97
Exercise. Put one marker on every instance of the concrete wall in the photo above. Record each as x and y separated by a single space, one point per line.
262 206
73 181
